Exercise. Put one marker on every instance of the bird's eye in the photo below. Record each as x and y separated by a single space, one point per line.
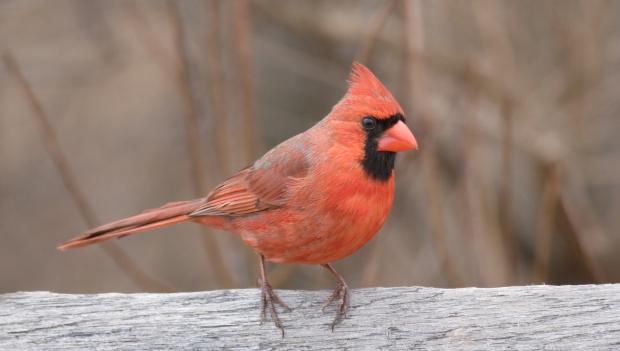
369 123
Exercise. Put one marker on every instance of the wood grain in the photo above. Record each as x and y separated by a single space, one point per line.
585 317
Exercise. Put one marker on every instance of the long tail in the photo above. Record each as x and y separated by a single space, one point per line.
172 213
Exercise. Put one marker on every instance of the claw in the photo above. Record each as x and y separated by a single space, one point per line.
269 299
331 298
340 293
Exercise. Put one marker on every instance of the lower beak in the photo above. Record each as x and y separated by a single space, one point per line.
397 138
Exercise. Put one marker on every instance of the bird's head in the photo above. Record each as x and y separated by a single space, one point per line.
369 117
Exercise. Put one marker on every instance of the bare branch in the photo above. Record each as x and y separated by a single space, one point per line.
376 25
414 28
52 146
195 144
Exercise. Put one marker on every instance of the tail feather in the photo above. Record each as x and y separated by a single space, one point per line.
166 215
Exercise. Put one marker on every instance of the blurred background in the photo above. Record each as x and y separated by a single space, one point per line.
111 107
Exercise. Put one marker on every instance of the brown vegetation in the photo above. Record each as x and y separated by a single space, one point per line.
110 107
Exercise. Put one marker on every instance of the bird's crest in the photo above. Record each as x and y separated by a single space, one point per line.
367 96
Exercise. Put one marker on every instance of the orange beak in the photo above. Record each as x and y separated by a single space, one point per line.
398 138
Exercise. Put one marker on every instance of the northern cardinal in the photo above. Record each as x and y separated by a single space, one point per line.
313 199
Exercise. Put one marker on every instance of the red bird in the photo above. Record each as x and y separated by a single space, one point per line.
314 199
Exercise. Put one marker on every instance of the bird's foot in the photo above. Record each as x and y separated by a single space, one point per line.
269 299
340 294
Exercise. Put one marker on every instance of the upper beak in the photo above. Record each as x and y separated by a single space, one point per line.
397 138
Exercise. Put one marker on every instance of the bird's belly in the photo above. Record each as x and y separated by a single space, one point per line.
322 232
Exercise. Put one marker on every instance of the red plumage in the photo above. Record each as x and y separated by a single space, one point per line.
315 198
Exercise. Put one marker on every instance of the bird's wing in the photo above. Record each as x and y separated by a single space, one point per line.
263 186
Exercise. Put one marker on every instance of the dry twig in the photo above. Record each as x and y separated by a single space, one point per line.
52 146
376 25
211 245
546 223
414 29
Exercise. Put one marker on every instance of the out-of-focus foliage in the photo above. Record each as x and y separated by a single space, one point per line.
515 106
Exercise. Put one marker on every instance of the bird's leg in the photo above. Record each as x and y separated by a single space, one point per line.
269 299
341 293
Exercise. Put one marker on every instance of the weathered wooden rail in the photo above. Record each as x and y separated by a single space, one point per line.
585 317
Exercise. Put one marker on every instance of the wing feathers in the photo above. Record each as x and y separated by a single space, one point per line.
264 186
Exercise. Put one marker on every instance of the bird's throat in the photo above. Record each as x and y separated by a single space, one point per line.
378 165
